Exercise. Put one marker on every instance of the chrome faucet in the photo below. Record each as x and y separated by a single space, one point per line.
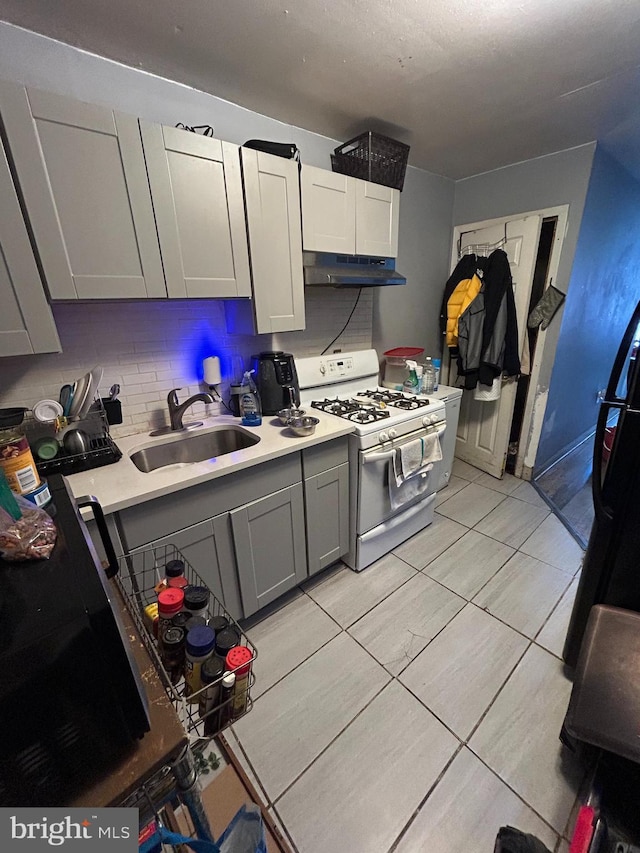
177 410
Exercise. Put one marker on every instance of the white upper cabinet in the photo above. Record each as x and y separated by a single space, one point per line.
272 201
82 174
328 211
347 215
26 322
377 219
196 189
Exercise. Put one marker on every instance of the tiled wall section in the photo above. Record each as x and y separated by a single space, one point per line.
149 348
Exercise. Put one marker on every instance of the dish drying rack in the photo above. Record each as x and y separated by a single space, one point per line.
103 450
138 575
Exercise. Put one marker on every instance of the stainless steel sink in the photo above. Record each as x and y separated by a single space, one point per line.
193 448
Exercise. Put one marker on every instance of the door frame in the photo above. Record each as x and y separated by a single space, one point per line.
536 402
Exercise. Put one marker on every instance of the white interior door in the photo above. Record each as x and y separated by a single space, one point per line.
484 427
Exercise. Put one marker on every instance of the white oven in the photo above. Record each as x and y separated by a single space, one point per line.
384 421
374 468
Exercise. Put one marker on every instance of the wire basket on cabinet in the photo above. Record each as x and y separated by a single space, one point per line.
139 574
372 157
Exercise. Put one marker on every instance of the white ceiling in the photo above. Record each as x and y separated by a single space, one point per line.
471 85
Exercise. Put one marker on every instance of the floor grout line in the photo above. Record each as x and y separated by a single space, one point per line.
346 630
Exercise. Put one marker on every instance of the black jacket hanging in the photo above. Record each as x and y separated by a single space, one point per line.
499 286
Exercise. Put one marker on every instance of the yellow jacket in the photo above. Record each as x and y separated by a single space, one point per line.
463 295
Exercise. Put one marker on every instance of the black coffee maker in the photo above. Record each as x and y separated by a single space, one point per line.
276 378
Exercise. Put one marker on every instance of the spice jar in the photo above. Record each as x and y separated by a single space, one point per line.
181 619
218 623
173 569
196 601
225 641
200 643
211 674
226 698
16 460
172 655
170 602
177 583
239 660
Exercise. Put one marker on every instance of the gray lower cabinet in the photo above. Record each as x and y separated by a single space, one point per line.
326 499
208 548
269 540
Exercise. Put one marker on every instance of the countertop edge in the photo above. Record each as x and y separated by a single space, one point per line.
121 485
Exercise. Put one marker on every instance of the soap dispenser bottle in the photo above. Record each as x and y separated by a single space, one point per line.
249 402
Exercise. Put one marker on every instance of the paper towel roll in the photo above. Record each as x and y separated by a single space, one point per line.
212 370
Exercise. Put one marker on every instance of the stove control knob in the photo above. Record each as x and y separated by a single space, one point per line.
393 433
383 437
426 421
323 369
434 419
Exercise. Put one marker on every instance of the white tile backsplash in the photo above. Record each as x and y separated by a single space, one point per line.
148 348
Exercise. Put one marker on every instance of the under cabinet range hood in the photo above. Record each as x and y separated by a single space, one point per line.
322 269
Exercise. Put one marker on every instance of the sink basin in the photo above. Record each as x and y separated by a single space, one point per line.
193 448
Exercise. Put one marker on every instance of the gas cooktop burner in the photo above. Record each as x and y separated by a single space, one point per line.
396 399
367 415
353 410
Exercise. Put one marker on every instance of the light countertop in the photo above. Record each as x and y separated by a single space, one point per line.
122 485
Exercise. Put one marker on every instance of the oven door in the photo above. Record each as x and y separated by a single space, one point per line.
374 465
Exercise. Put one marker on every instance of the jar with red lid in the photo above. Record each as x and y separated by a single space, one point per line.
170 602
177 583
239 660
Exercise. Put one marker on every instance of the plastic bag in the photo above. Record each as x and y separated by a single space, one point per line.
32 536
245 834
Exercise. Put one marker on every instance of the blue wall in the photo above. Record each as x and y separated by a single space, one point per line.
603 291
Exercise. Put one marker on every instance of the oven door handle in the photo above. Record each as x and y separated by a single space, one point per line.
380 457
387 455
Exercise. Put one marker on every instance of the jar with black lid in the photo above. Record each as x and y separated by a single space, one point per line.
181 619
226 640
196 601
173 650
194 622
218 623
174 569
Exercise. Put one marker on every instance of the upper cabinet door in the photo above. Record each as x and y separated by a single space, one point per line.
328 211
272 200
377 218
197 197
26 322
82 174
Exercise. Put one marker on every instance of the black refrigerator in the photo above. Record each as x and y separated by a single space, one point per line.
611 567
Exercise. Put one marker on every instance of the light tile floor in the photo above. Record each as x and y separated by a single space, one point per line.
416 706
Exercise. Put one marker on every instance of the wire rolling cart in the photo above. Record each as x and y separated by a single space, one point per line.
137 579
138 576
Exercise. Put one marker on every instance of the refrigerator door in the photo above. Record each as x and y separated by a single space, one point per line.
611 566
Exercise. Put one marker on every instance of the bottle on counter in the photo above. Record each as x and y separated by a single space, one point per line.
249 402
411 385
428 377
239 660
200 645
211 676
436 366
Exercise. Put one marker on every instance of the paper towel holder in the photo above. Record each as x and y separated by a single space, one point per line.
211 371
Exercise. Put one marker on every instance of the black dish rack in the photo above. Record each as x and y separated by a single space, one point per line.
102 451
138 575
372 157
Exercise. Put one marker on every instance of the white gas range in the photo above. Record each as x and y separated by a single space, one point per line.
386 424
